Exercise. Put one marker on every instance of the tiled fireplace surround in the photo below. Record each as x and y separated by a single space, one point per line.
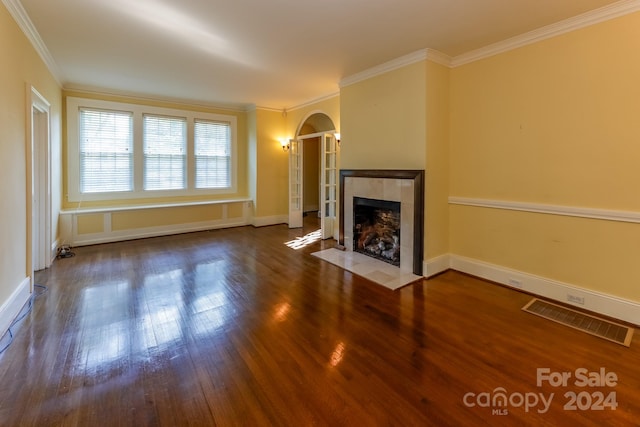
404 186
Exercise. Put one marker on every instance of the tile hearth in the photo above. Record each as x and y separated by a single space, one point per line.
370 268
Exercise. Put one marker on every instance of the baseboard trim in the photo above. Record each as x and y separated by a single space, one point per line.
142 233
608 305
53 251
263 221
437 265
12 306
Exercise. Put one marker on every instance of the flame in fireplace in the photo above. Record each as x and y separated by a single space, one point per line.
301 242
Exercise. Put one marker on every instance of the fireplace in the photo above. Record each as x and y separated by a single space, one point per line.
389 189
376 229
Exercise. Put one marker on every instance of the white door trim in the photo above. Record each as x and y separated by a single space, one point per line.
38 147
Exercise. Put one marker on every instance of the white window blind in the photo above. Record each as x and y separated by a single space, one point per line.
164 147
123 151
212 146
106 151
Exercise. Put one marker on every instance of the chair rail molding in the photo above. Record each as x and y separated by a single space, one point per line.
574 211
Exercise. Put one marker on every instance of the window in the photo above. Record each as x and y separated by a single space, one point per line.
119 151
213 154
106 151
165 151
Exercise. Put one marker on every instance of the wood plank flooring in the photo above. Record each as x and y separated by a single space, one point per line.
235 328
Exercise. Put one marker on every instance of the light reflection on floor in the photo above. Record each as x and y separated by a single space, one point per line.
301 242
337 355
104 338
164 313
281 312
164 301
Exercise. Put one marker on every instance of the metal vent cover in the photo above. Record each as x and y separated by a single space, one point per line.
606 329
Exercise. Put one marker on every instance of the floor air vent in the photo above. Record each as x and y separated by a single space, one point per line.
592 325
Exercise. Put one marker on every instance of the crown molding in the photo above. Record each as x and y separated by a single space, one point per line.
394 64
80 91
439 57
314 101
305 104
19 14
253 107
615 10
586 19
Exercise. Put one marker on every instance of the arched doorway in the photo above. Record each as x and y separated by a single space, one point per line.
313 173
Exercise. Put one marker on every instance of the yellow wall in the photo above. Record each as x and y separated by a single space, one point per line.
400 120
384 121
21 67
555 122
128 220
436 239
271 164
91 223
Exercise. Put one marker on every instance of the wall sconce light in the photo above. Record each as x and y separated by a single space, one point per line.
285 144
337 136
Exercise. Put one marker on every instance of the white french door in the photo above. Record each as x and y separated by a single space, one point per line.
328 185
295 184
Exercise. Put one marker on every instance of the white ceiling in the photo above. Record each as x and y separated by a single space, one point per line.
277 53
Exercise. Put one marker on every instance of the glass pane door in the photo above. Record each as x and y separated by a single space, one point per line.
295 184
328 189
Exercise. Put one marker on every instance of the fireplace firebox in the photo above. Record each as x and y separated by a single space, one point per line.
376 229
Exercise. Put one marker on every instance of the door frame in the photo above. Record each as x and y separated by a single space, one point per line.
38 180
294 221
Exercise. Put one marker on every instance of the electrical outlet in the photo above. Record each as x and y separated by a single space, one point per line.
515 283
575 299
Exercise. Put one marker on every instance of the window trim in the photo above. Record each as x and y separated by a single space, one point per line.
74 104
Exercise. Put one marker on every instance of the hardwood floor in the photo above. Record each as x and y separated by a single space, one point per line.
233 327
